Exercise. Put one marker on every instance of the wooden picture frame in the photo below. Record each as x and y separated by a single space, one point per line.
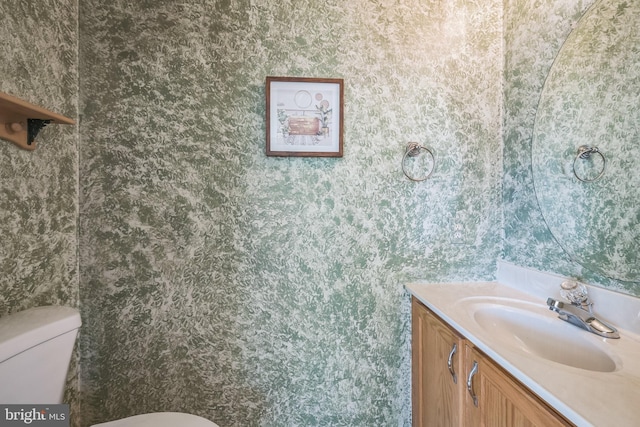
304 117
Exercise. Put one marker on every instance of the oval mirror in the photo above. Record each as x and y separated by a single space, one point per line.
586 142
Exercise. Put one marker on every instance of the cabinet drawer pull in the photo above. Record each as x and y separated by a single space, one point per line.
474 371
452 353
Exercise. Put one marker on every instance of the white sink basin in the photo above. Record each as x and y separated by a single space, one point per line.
533 329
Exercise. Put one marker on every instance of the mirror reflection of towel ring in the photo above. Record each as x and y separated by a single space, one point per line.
414 149
584 153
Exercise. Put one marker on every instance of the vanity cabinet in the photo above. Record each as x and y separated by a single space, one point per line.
454 384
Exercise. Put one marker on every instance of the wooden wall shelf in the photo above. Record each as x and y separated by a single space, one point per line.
21 121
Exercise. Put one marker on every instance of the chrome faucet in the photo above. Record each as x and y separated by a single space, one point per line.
579 312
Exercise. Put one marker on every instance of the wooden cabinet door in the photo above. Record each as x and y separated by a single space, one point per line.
501 400
436 361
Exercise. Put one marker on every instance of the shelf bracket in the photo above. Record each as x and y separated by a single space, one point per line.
34 126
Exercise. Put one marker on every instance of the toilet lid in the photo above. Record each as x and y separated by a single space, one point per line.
160 419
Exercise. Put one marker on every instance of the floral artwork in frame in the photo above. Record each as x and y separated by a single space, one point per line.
304 116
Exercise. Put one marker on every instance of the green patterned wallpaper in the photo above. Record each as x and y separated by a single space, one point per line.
263 291
39 196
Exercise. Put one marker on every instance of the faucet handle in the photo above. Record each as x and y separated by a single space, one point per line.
576 293
569 285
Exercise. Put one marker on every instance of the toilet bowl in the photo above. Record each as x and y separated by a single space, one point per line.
35 351
160 419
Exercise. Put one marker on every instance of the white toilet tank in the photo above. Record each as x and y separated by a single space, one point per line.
35 350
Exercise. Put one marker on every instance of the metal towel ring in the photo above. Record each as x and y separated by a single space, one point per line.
584 153
413 150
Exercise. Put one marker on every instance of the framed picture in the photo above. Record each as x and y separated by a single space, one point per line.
304 116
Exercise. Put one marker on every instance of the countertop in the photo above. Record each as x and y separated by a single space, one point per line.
584 397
